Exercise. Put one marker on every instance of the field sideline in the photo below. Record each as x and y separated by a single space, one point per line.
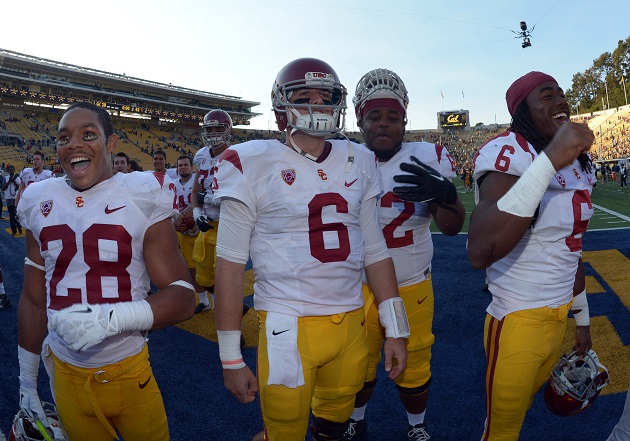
612 206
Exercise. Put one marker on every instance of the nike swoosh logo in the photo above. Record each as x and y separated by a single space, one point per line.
420 301
278 333
348 184
143 385
110 211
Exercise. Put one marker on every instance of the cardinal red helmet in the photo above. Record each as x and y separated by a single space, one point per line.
216 118
309 73
25 429
575 383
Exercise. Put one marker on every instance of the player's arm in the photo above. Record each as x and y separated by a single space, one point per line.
83 326
235 228
202 221
32 318
580 311
32 328
381 276
174 302
493 233
18 195
507 203
449 218
196 188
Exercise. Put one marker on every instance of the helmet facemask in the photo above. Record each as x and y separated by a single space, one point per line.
315 119
379 84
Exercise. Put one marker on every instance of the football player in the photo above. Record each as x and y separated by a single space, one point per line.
93 242
306 211
33 174
11 189
187 231
380 104
533 194
216 135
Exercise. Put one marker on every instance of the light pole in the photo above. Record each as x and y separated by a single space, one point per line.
607 101
623 81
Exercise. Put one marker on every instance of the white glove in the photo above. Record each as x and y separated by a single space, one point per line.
29 398
83 326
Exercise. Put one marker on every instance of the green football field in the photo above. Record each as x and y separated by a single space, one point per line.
612 206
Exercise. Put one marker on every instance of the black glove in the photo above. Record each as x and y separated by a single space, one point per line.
200 197
203 223
428 184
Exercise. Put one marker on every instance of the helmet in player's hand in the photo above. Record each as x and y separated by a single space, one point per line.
212 136
315 119
575 383
188 222
26 429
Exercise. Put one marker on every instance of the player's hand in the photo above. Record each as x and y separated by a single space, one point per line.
428 184
205 198
201 196
242 383
32 405
80 326
569 141
583 342
395 348
203 223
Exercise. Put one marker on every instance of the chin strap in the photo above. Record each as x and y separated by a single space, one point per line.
295 147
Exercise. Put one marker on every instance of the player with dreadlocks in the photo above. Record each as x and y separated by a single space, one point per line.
533 195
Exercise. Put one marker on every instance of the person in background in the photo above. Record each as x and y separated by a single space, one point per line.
11 188
121 163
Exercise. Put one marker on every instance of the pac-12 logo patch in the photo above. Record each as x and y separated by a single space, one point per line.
288 176
46 207
561 180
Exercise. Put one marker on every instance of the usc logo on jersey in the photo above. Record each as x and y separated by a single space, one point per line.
79 202
322 175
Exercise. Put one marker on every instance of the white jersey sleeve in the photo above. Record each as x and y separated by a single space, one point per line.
540 270
92 246
307 244
206 165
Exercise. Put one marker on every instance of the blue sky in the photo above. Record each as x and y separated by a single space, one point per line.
237 47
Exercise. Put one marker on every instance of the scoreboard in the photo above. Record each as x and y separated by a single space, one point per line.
453 119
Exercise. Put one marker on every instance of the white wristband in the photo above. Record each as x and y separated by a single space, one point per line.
28 261
580 310
128 316
523 198
29 368
230 349
197 212
393 318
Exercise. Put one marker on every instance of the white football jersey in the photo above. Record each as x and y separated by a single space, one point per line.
184 192
207 167
406 224
92 245
172 173
307 243
540 270
28 176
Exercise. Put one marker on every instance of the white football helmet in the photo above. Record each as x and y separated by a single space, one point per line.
25 429
575 383
309 73
383 84
216 118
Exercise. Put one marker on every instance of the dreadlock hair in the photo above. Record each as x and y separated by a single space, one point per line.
522 124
